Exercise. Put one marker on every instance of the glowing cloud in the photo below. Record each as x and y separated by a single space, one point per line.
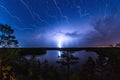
62 39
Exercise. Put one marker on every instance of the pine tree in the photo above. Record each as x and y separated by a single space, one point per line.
68 59
7 38
88 71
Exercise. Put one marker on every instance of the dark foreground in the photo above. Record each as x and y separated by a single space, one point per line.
15 66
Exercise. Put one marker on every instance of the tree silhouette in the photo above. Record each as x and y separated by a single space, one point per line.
68 59
7 39
102 67
88 71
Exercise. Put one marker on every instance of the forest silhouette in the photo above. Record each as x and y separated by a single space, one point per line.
14 64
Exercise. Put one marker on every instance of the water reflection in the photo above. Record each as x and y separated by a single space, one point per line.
59 53
53 56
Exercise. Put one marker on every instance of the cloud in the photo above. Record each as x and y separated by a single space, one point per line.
74 34
106 31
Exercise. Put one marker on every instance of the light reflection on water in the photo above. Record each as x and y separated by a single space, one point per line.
59 53
53 56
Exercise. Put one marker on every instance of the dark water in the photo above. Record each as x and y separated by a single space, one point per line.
53 56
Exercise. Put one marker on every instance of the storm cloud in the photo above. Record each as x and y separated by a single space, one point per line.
106 31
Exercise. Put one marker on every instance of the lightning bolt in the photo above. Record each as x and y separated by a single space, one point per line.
105 13
60 11
82 14
34 15
53 16
48 14
44 21
28 8
40 19
17 18
21 29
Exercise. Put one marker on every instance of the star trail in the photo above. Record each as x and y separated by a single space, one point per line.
37 23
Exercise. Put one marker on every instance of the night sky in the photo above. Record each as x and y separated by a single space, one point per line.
62 23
